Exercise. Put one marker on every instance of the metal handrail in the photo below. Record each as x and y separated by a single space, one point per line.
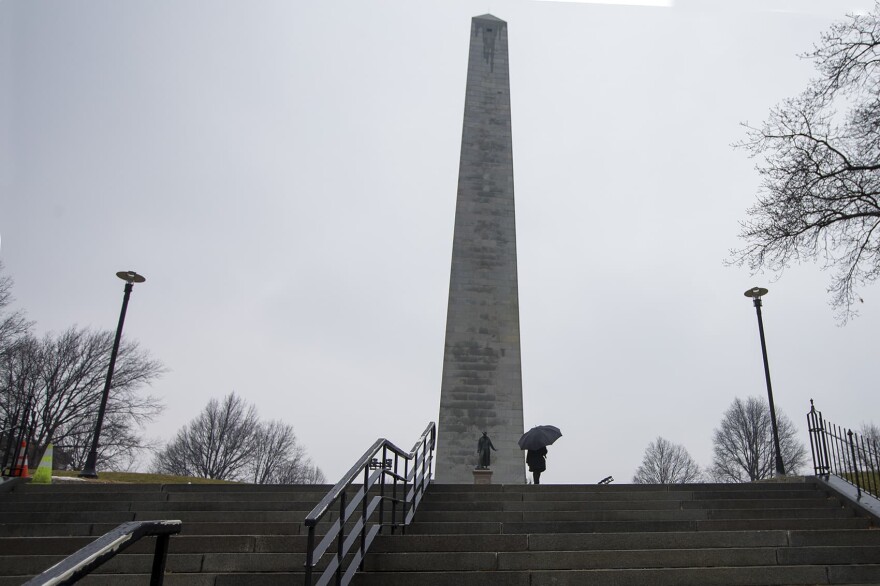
79 564
843 453
348 498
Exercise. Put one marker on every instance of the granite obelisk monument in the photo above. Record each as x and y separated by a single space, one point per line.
482 376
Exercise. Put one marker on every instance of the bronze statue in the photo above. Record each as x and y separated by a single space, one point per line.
483 446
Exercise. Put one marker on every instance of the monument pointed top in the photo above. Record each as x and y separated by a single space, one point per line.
489 17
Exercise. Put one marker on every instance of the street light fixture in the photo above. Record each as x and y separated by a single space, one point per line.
130 277
756 293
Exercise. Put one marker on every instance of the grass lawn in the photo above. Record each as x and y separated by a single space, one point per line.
138 478
869 481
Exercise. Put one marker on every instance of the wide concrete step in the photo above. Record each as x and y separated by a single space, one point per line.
155 505
237 496
630 515
450 528
719 576
613 488
98 529
204 579
620 541
89 491
98 487
301 498
125 516
589 495
619 559
126 563
184 579
631 505
178 544
20 498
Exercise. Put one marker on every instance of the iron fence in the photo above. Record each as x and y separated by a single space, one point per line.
850 456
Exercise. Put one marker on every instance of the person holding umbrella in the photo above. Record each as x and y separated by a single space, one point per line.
537 461
535 442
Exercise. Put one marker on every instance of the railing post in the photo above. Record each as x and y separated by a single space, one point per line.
873 457
394 495
382 491
852 449
818 446
426 472
836 444
310 554
405 493
419 470
824 437
364 503
340 543
433 445
157 577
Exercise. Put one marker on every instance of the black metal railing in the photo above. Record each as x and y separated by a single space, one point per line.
362 510
851 457
76 566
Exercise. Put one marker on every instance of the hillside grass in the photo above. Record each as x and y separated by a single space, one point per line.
869 481
136 478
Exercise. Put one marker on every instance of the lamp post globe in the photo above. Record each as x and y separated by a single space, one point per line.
130 278
755 293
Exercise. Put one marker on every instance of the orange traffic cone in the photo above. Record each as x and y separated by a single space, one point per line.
21 463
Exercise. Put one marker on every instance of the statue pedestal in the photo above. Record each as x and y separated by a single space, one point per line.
482 476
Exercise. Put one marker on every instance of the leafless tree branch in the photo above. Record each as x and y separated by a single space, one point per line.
820 168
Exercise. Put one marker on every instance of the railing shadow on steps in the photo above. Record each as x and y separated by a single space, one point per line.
392 505
79 564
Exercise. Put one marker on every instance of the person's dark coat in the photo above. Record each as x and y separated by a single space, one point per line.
536 459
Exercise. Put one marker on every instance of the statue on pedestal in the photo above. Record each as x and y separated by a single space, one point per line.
483 446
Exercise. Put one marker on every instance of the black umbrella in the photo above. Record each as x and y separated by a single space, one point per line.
539 437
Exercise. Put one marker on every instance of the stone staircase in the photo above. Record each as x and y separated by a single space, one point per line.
703 534
232 533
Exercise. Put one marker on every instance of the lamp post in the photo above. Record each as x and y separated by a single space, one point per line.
130 277
756 293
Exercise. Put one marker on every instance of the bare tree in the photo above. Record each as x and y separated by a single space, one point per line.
216 444
20 368
667 463
871 432
273 445
743 444
227 441
291 466
55 385
52 387
868 451
13 324
821 168
299 471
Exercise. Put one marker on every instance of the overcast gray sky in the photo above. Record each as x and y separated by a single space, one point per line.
284 175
